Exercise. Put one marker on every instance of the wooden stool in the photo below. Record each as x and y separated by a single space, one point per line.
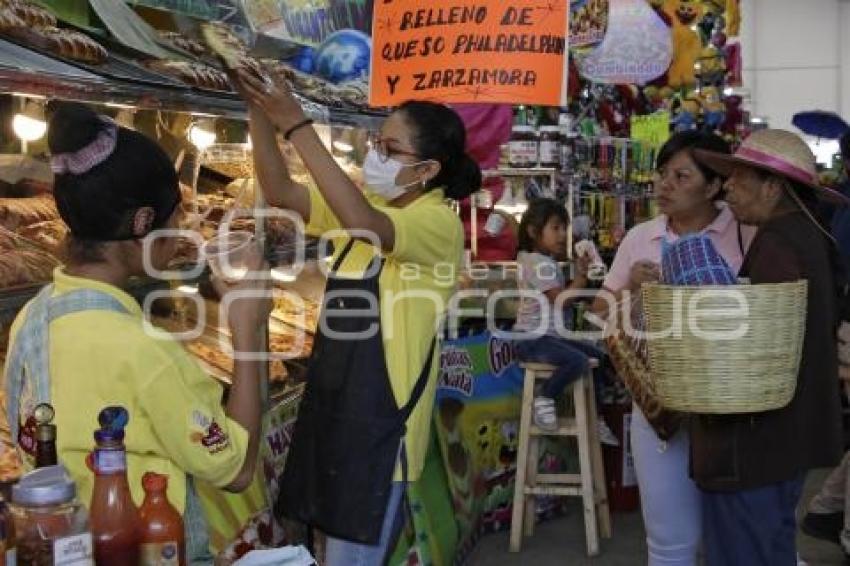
589 484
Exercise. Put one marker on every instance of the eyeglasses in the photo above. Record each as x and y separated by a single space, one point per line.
383 149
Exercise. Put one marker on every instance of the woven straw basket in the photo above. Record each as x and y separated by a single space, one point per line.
702 367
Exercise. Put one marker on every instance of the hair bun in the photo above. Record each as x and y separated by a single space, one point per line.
72 127
464 178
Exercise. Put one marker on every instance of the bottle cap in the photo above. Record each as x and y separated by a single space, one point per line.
114 418
152 481
50 485
43 413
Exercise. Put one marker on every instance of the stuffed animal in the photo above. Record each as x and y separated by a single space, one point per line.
711 66
713 109
733 17
686 114
687 43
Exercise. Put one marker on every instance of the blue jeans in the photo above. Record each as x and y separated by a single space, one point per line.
570 356
340 552
756 527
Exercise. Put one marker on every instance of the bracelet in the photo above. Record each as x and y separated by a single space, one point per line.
297 127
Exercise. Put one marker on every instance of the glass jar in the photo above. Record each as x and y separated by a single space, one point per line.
51 526
550 146
523 147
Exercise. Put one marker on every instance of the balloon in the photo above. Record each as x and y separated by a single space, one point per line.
303 60
344 56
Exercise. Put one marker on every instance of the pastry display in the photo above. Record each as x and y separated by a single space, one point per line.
49 234
294 344
195 74
22 263
296 311
18 212
25 267
74 45
214 357
182 42
241 169
32 15
227 45
353 94
9 20
36 26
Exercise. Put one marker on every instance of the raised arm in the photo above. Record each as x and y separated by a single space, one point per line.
278 187
343 197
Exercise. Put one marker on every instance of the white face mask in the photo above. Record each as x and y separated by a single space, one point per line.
380 176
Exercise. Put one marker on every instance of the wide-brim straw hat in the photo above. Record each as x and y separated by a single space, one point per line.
776 151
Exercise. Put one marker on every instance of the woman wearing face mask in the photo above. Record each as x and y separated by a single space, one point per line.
363 425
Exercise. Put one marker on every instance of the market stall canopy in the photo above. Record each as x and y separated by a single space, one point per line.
821 124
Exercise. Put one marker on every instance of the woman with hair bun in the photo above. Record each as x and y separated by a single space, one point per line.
363 426
83 343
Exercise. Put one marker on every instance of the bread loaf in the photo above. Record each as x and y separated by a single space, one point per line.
18 212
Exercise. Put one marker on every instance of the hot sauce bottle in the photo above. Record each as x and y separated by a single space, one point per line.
162 537
113 515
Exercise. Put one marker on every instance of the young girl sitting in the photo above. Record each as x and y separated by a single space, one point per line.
542 242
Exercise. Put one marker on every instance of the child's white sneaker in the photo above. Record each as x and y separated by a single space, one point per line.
606 435
544 414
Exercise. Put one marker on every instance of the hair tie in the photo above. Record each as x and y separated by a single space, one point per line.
95 153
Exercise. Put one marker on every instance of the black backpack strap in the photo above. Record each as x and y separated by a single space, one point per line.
404 414
343 254
419 388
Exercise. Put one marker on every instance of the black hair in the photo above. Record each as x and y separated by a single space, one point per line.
539 212
689 141
844 146
439 134
100 204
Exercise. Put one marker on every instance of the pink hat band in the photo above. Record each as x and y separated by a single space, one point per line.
778 164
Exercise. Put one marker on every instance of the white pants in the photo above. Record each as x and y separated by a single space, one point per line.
670 501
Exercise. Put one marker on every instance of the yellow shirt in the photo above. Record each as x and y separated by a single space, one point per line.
101 358
418 279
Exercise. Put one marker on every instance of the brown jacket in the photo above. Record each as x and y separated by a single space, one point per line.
730 453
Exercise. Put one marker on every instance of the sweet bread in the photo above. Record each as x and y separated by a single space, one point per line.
18 212
181 42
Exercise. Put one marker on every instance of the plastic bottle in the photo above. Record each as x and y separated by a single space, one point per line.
113 515
163 541
45 436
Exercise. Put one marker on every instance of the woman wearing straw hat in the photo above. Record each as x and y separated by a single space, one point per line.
688 195
750 468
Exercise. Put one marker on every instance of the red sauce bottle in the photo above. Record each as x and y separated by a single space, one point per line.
113 516
163 541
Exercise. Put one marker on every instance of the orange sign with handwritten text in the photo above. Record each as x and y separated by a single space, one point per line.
469 51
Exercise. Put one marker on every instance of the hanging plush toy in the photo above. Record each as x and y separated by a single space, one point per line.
713 109
711 66
686 114
687 44
733 17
